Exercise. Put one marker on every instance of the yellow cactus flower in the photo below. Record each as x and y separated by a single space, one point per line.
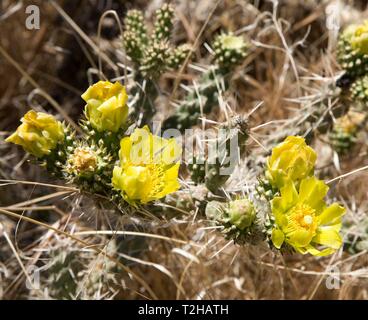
38 134
304 221
358 35
106 107
292 159
148 168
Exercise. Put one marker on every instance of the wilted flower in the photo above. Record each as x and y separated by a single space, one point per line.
292 159
38 134
106 107
83 161
303 220
148 168
350 122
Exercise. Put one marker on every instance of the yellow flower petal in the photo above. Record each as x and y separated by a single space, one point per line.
143 175
292 159
289 195
312 191
277 238
106 107
319 253
38 134
331 214
299 238
304 220
329 238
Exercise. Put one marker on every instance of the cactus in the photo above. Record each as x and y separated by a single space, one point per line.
229 52
72 275
152 54
106 139
238 219
54 161
197 169
90 167
354 62
62 282
135 35
154 62
359 89
164 22
100 275
229 147
344 134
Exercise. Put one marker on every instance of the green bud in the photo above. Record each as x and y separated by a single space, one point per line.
241 213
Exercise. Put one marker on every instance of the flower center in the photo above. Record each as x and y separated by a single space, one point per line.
308 219
157 173
302 217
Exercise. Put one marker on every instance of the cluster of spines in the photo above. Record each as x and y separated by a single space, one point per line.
55 161
204 96
236 128
178 55
135 35
94 177
359 89
155 59
153 53
164 22
108 139
229 50
353 62
245 228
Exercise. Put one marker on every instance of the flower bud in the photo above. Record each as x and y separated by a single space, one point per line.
291 160
38 134
106 108
241 213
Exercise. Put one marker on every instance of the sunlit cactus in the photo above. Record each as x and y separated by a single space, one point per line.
230 51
